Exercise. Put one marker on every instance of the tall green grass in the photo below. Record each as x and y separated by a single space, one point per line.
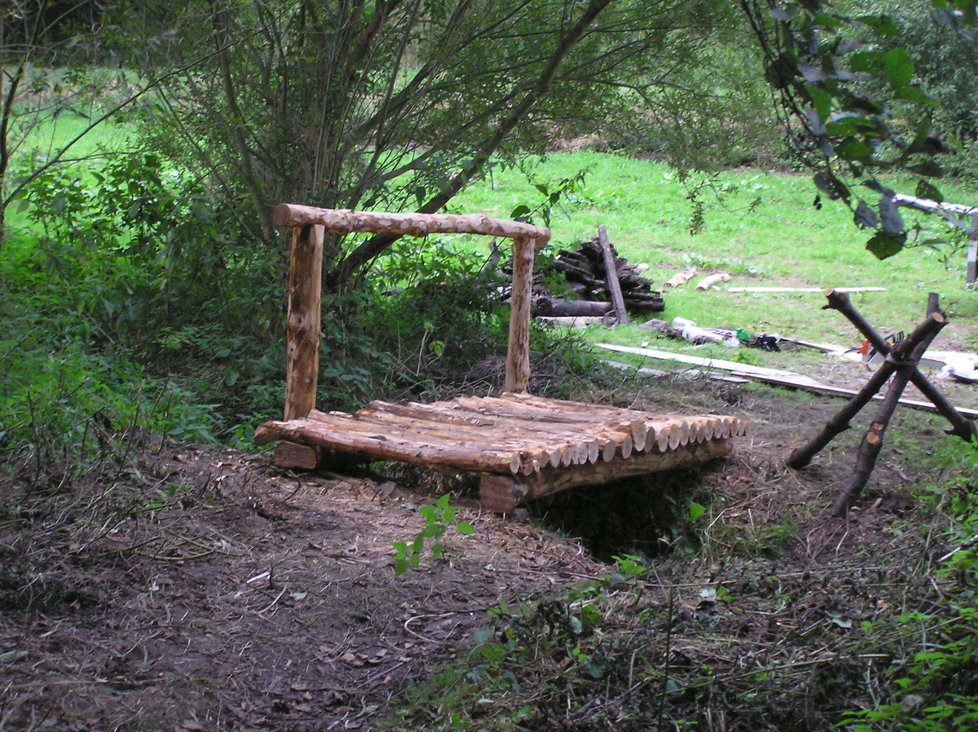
762 228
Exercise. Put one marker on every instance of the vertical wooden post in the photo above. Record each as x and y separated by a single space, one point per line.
302 335
973 251
611 277
518 354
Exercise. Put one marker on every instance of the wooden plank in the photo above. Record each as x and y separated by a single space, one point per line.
740 369
518 351
797 381
611 276
304 314
820 290
503 493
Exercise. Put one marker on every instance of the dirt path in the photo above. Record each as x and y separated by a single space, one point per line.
226 595
267 603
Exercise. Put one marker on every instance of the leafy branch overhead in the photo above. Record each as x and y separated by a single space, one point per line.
850 101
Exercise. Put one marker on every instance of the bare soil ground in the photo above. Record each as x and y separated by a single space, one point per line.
203 589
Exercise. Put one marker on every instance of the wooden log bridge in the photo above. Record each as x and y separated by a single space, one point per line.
523 447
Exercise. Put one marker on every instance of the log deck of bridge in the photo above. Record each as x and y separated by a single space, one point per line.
523 447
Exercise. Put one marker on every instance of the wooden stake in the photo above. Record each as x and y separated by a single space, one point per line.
611 276
304 313
973 251
924 333
963 428
869 448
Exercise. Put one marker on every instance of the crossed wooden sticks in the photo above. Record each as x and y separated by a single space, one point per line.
902 360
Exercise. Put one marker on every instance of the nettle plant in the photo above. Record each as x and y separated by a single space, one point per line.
438 518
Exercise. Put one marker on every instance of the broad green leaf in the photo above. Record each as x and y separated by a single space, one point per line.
865 217
884 245
890 216
897 67
852 148
882 24
821 102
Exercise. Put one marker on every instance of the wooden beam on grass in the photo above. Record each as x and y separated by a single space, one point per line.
772 377
804 289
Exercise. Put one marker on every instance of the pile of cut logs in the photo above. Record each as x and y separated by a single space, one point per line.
586 271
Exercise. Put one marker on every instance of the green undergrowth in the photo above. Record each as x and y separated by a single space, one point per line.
930 677
735 625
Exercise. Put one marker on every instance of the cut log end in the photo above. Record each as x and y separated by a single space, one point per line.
500 493
293 456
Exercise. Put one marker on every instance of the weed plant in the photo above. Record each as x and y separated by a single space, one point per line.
932 678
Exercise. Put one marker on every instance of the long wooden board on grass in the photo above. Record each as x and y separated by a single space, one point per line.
775 377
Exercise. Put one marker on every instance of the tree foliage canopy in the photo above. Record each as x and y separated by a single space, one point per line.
849 95
397 104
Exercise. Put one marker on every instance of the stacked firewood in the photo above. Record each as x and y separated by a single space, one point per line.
586 275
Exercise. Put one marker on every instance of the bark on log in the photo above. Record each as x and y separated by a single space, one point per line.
311 432
553 307
502 493
304 314
518 353
406 224
291 455
592 278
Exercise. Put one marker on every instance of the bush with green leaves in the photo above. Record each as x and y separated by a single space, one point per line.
935 688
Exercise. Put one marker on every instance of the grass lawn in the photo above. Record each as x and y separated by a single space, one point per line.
763 231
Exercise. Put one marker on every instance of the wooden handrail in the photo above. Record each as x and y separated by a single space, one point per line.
345 221
308 226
